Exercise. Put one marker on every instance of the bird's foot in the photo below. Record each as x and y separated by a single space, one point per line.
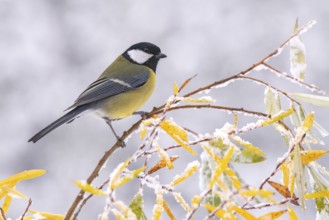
143 114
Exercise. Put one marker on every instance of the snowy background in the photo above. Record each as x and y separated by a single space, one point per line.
51 50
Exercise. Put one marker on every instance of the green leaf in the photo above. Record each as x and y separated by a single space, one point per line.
297 56
136 206
319 182
318 100
272 102
247 156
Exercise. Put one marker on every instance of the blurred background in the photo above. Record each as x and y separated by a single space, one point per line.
51 50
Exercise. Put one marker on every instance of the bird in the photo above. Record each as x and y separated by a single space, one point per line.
123 87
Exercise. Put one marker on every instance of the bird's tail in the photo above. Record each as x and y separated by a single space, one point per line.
71 115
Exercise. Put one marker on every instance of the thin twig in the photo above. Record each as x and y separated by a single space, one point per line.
310 87
26 209
272 87
265 205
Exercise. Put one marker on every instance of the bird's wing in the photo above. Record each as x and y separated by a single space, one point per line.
106 87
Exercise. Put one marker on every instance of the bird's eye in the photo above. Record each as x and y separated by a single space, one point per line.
146 50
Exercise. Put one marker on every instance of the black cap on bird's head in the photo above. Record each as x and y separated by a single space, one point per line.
144 53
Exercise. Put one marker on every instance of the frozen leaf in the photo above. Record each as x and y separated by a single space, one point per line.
117 214
272 215
196 201
285 173
47 215
311 155
161 164
176 89
244 213
317 195
82 184
234 178
277 117
136 206
222 166
247 156
318 100
178 134
298 173
189 171
25 175
168 211
222 214
248 145
204 99
163 155
128 213
6 204
283 190
131 175
263 193
297 56
158 207
292 214
272 102
115 175
181 201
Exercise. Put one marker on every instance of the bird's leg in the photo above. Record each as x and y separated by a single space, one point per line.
141 113
108 121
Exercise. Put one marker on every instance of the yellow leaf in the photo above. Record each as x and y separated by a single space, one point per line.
244 213
176 89
25 175
48 216
317 195
292 214
142 133
178 134
277 117
306 126
284 191
186 82
163 155
222 214
158 207
196 201
189 171
257 192
127 212
82 184
117 214
247 145
168 211
204 99
234 178
222 166
311 155
181 201
161 164
298 173
116 173
6 204
127 178
285 173
272 215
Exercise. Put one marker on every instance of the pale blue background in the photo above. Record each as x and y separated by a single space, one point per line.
51 50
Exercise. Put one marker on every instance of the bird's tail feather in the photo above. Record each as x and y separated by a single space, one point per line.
68 117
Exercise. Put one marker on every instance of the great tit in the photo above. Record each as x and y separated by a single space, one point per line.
119 91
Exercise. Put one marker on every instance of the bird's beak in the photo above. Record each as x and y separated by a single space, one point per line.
160 56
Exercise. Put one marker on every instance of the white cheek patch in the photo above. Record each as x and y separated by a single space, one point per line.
139 56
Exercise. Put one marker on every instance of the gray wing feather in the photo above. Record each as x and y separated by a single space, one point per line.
107 87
